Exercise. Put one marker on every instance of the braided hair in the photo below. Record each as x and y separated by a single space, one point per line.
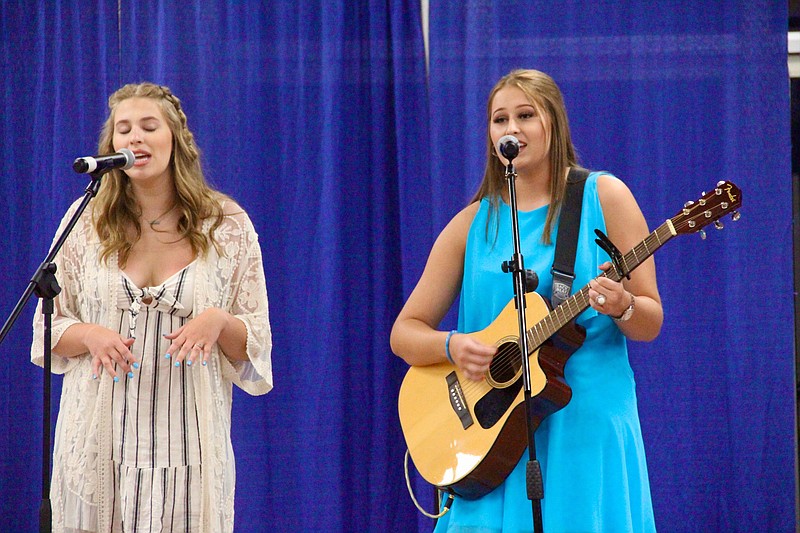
116 210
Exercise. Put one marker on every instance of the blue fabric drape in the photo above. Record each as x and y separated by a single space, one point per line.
319 119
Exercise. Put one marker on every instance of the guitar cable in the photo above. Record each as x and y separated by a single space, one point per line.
447 504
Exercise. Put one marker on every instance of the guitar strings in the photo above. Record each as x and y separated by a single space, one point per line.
504 361
507 357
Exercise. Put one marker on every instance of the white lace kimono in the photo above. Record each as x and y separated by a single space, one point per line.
233 281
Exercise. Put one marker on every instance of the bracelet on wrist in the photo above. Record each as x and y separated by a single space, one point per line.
447 347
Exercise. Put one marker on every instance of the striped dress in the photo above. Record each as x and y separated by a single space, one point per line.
155 436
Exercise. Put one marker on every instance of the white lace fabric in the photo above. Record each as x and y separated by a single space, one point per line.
233 281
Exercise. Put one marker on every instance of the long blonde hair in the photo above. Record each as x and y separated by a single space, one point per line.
115 209
546 98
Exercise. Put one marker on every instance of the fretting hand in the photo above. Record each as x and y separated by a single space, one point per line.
607 296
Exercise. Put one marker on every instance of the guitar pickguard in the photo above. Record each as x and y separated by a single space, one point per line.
495 404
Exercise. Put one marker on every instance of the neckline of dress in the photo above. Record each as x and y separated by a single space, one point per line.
530 211
170 278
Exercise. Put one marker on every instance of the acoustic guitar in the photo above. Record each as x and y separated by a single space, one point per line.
465 436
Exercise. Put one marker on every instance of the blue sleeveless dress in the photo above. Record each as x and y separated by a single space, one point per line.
591 451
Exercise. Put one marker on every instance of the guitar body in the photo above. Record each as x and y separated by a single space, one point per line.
466 436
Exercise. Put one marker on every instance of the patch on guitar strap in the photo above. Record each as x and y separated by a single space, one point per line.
562 287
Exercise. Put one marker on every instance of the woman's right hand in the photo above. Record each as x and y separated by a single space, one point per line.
471 356
107 349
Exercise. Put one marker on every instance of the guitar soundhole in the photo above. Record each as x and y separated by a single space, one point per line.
505 367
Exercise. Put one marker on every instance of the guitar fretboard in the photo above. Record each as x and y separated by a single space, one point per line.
578 302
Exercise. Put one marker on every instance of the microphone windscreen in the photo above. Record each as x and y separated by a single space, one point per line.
130 159
508 146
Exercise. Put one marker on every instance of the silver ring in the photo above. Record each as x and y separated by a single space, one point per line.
601 300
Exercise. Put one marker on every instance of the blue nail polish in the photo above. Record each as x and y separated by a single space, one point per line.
130 375
177 363
116 379
135 365
166 356
204 363
94 376
189 363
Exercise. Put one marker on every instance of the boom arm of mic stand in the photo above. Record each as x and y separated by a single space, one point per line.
45 285
534 484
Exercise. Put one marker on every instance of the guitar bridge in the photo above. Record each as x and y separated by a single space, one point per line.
457 401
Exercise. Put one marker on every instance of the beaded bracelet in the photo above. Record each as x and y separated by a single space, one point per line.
447 347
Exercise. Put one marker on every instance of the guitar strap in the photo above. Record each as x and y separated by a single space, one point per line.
567 240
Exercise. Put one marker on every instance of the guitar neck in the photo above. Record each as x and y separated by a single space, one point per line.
578 302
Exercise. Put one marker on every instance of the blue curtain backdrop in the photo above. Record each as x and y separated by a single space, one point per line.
320 120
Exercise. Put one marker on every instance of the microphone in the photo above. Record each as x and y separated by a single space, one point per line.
124 159
508 146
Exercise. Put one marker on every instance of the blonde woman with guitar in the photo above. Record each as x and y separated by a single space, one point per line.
590 449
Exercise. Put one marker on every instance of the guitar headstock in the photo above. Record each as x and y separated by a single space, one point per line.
724 199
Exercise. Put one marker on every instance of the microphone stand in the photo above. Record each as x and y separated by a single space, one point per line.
46 287
533 472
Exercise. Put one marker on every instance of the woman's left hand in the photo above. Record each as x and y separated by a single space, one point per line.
194 340
607 296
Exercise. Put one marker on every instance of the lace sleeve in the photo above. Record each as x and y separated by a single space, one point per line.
248 303
68 273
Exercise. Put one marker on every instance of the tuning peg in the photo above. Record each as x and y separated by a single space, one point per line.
718 224
720 183
703 234
736 215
